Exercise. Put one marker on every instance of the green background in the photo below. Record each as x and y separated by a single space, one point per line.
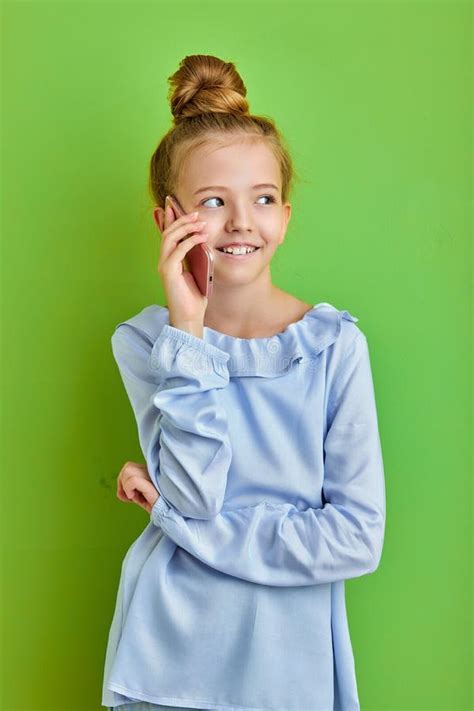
375 100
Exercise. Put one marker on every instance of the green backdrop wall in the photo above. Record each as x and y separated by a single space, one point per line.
375 100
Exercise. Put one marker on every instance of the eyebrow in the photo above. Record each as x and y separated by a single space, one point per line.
222 187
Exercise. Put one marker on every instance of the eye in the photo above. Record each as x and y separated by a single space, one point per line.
270 198
207 200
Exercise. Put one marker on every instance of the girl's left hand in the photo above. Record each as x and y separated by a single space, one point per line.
135 486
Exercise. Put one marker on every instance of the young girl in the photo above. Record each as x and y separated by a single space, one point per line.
257 420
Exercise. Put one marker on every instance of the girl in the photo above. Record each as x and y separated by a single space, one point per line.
256 416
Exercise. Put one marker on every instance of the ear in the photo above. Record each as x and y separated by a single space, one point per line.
286 219
159 217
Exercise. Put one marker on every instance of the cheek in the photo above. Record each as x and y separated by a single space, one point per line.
276 224
272 235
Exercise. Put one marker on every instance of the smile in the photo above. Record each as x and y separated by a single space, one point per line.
237 257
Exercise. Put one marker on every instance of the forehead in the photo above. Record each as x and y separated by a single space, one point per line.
238 165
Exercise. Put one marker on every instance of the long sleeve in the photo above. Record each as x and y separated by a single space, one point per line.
174 385
279 545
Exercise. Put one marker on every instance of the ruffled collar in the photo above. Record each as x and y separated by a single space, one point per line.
271 356
275 355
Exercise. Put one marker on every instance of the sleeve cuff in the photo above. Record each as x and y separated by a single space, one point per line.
196 354
191 340
159 509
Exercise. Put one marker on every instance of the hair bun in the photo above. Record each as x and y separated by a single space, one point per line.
206 84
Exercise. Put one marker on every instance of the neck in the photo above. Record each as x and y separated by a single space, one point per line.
242 308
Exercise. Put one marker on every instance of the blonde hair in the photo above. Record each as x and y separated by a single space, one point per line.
207 98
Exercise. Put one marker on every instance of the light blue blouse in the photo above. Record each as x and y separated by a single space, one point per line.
267 457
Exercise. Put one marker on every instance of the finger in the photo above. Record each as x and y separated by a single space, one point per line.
177 253
147 490
182 248
121 493
129 489
170 217
136 486
133 469
178 229
146 501
134 481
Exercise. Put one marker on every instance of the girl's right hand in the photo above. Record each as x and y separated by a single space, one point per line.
184 299
134 485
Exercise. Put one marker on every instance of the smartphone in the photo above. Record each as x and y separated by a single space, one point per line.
199 259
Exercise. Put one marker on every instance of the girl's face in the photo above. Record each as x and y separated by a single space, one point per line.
237 190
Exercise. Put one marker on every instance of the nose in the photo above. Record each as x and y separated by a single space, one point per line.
240 219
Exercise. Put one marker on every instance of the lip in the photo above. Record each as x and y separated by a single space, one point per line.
237 244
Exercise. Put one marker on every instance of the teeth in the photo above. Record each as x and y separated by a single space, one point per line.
239 250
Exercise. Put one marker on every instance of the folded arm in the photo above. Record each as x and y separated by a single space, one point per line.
174 385
277 544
